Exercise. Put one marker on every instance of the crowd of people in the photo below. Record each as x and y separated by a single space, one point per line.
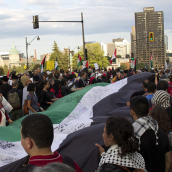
142 146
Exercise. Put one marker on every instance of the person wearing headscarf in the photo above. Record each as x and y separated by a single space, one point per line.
153 141
122 154
161 98
3 114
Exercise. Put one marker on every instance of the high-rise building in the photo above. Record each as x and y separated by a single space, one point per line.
166 41
145 22
133 41
122 46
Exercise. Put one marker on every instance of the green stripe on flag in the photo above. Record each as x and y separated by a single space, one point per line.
79 64
57 112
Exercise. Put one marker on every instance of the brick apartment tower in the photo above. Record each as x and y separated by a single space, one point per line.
145 22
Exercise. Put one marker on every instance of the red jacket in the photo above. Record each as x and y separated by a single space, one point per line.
41 161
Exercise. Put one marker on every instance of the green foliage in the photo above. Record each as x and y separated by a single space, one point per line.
95 55
109 58
1 70
14 68
142 66
5 69
118 56
65 60
56 54
35 67
123 66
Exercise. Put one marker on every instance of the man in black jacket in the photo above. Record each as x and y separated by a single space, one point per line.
82 81
57 82
37 82
16 113
5 88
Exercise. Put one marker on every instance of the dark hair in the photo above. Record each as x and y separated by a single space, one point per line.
151 88
162 85
140 106
31 87
63 82
146 83
39 128
71 76
50 76
42 84
82 73
36 78
56 76
170 77
123 133
160 114
162 72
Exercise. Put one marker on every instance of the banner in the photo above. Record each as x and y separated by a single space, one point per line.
50 65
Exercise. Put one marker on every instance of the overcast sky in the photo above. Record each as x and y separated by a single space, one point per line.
104 20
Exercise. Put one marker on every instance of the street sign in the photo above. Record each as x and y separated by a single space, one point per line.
25 67
132 64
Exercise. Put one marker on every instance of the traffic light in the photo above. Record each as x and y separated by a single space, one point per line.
35 22
132 56
86 54
151 36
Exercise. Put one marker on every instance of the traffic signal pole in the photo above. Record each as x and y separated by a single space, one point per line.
82 21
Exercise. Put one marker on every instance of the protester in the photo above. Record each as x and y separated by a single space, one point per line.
15 99
45 99
5 88
15 78
122 155
52 89
3 114
153 141
65 89
151 90
35 72
37 135
32 101
161 116
145 87
57 82
37 83
24 78
25 92
82 82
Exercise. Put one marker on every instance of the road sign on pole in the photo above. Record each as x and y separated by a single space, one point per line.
132 64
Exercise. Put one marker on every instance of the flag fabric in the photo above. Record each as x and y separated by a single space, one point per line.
56 64
79 61
87 64
146 66
113 57
151 60
78 121
42 64
8 73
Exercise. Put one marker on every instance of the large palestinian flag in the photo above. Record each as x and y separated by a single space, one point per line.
78 119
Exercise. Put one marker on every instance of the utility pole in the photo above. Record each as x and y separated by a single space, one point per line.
82 21
36 26
27 53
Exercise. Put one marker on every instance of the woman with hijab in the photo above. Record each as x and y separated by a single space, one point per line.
122 154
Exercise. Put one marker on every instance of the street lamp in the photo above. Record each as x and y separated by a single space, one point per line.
38 39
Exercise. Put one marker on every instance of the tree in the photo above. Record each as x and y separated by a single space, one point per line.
118 56
95 55
141 66
1 71
123 66
36 66
56 54
5 69
14 68
65 60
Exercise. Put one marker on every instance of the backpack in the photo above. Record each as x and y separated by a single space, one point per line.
14 100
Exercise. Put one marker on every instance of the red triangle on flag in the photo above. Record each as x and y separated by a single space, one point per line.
8 73
87 64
